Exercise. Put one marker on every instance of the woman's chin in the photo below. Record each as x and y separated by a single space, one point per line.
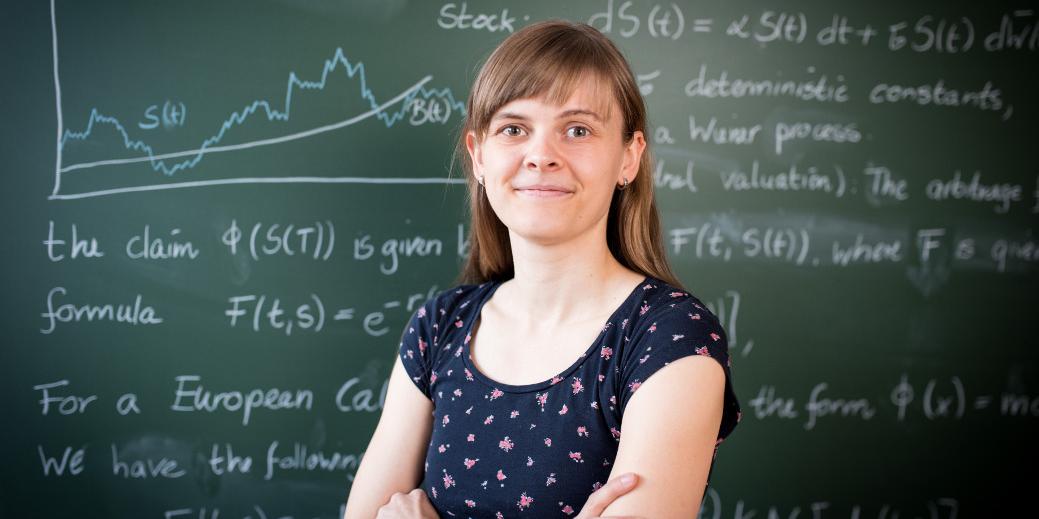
541 234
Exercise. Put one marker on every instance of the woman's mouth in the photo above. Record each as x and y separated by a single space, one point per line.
543 191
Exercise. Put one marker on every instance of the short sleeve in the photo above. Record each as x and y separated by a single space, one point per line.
681 328
415 347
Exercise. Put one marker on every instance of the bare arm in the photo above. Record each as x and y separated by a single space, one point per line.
679 408
394 460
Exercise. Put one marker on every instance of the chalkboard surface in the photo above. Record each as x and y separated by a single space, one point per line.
218 217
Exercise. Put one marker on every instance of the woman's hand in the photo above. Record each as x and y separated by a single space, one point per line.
600 499
413 505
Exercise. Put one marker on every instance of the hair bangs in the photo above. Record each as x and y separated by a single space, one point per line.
551 72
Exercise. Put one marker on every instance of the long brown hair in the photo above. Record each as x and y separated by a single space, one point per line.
548 59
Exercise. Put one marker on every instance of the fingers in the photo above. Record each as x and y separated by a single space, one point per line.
608 493
413 505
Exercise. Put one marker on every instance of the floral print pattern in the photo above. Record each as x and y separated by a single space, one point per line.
539 450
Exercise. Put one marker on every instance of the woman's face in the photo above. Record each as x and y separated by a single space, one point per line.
550 171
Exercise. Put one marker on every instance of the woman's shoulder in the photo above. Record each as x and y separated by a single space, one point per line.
663 304
449 302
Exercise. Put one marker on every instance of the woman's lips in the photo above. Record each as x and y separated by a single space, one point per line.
543 193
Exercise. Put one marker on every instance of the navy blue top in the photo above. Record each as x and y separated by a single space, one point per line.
538 450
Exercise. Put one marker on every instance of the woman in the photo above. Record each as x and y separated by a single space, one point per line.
565 308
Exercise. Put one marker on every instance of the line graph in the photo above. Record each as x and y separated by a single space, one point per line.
170 164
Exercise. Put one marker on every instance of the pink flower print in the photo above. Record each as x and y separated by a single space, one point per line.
449 372
422 311
644 309
624 324
497 515
550 479
576 386
652 327
468 337
434 492
469 463
616 433
695 317
576 456
647 286
506 444
601 377
702 350
542 399
568 510
470 438
421 345
514 414
556 379
470 503
441 448
448 480
563 410
488 420
596 486
496 393
470 410
634 385
677 294
458 323
468 375
445 421
676 336
644 359
715 336
548 442
411 354
530 461
613 399
524 501
606 352
433 377
501 475
595 405
582 431
458 353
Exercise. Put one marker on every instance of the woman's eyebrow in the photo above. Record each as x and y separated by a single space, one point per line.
566 113
580 111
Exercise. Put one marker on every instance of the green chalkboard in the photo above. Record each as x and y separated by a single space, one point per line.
218 217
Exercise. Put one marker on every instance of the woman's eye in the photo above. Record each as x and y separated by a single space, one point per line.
581 131
506 130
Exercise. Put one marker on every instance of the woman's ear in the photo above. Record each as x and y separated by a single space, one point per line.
472 144
632 157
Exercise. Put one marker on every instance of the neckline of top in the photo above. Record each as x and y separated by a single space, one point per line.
536 386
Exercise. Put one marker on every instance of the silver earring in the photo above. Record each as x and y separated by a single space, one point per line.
480 180
625 186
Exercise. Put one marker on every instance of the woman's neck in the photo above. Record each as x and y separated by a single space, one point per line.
565 283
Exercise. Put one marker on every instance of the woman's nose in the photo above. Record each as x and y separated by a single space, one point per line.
542 155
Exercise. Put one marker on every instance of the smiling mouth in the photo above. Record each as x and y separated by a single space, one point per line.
543 193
